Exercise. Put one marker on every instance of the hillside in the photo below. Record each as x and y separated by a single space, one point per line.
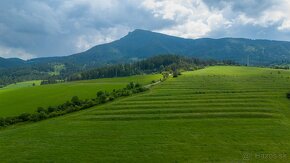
11 62
141 44
217 114
23 98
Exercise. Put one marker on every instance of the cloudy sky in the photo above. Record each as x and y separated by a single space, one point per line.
40 28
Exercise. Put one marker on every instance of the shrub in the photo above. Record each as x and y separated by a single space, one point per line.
2 122
75 100
131 85
38 116
51 109
175 74
137 85
102 98
288 95
41 109
11 120
24 117
100 93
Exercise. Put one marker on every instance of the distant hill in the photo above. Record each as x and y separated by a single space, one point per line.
11 62
141 44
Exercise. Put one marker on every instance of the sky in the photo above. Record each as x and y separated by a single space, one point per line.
43 28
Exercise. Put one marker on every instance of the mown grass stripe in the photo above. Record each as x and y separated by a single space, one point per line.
181 116
168 111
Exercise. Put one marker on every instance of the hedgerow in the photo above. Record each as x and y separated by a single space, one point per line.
75 104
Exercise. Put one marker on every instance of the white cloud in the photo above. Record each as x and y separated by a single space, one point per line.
7 52
192 18
96 37
285 26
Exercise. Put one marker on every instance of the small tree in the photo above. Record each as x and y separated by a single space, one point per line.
165 75
288 95
24 117
75 100
131 85
103 98
41 109
100 93
175 73
138 85
2 121
51 109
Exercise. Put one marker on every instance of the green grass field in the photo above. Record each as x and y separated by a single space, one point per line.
218 114
22 97
21 85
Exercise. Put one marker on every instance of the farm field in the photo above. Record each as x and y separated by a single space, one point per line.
21 85
217 114
22 97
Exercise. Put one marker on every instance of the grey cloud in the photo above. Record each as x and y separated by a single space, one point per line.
51 27
251 8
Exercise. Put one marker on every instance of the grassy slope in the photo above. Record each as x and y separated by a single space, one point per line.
216 114
21 85
15 100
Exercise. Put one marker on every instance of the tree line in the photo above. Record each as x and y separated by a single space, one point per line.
75 104
161 63
71 72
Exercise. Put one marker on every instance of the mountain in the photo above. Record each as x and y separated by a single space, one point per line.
11 62
141 44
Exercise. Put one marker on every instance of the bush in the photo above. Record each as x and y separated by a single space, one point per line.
288 95
51 109
175 74
131 85
75 100
41 109
24 117
38 116
100 93
102 98
2 122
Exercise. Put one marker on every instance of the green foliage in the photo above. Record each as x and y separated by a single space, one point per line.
176 73
40 110
217 114
24 117
75 104
76 101
29 98
288 95
155 64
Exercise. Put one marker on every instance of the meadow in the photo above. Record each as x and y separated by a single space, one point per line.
217 114
22 97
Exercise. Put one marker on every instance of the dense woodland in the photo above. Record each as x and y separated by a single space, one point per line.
14 75
71 72
157 64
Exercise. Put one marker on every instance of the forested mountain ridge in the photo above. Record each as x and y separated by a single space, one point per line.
11 62
141 44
